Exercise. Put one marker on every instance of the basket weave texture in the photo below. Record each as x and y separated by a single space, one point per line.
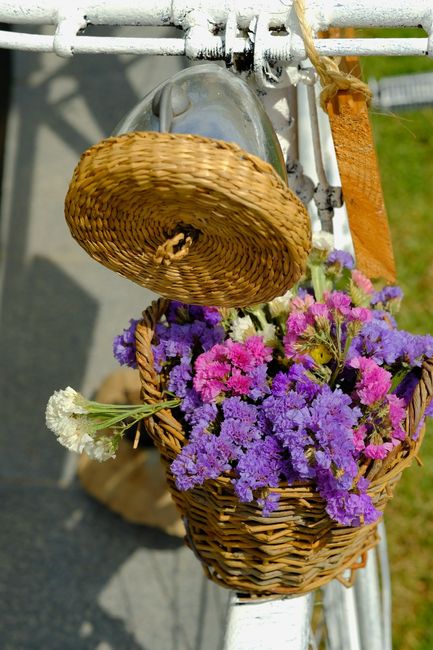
191 218
296 549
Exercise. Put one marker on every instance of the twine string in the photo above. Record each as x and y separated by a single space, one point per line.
331 77
166 253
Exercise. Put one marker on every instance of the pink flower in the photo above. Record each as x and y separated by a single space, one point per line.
374 382
210 389
297 323
362 282
358 437
239 383
210 370
301 304
217 353
209 378
397 414
339 302
240 356
260 352
361 314
221 368
378 452
319 310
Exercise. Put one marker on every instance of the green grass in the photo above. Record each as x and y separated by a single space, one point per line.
404 145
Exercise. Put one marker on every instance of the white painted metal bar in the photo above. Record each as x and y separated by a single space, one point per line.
385 575
341 617
94 44
369 605
203 22
214 50
323 13
282 623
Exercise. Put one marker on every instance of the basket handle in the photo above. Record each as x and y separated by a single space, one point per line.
421 398
151 384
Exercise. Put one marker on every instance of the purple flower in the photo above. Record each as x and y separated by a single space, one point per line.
269 503
180 378
235 407
174 308
201 419
211 315
205 458
340 258
124 349
333 419
261 466
179 312
190 402
349 508
259 382
387 294
416 348
302 381
238 434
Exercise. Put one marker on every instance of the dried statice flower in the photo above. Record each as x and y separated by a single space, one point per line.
341 259
124 349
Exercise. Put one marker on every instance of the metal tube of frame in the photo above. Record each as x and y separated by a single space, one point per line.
177 46
341 617
203 20
323 13
385 575
95 44
368 600
282 624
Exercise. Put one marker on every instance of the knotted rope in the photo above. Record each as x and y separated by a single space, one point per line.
331 77
166 253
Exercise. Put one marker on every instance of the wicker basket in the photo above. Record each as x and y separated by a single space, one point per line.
191 218
296 549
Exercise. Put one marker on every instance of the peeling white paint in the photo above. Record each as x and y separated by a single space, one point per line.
199 19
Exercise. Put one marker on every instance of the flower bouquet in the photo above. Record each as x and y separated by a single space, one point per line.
283 427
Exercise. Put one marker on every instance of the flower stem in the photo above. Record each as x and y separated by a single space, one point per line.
109 417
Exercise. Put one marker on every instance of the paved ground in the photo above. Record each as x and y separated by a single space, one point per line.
74 576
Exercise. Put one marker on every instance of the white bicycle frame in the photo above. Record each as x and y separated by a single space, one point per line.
357 618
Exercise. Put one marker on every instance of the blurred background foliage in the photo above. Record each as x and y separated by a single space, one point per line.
404 144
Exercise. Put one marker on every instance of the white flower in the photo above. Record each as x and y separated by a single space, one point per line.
280 306
322 240
65 416
242 328
63 404
269 334
100 449
77 422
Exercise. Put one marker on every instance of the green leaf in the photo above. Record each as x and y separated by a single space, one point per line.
398 378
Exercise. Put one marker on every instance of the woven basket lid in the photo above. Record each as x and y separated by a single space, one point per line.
191 218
